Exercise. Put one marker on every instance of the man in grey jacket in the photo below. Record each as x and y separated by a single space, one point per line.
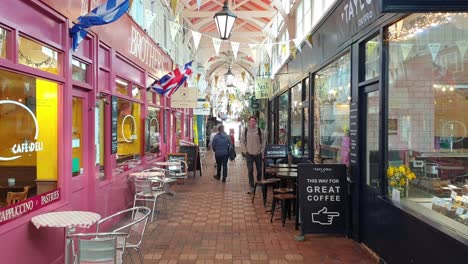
253 141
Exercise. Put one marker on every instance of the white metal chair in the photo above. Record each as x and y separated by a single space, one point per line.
144 192
179 171
98 247
133 222
202 151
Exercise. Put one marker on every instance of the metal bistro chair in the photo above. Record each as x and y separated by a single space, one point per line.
97 247
133 222
179 171
144 192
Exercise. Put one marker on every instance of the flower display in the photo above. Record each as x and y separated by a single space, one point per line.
400 176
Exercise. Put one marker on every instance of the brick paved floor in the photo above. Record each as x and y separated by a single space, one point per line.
210 222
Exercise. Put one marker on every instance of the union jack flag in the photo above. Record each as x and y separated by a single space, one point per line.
171 82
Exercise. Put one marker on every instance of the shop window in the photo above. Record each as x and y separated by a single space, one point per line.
187 127
272 122
3 43
100 122
295 142
427 122
121 86
150 97
128 131
283 118
178 123
331 111
153 136
372 139
136 94
34 54
29 135
372 61
77 132
80 71
306 131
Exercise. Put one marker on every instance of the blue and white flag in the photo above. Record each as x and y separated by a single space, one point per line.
101 15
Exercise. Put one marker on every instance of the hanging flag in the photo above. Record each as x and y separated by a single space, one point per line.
243 76
101 15
266 67
253 49
199 4
149 18
170 82
405 49
173 5
196 39
198 77
216 80
217 45
269 49
293 51
174 27
297 43
462 46
309 40
434 49
284 50
235 49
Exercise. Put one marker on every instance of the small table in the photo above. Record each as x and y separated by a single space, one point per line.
283 166
147 174
167 163
67 219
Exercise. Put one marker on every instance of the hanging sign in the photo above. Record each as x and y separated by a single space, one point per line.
202 109
322 198
262 88
114 118
185 98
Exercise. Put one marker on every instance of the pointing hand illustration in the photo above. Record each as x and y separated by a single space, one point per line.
324 217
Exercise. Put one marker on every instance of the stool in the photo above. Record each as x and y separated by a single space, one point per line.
285 199
283 190
264 183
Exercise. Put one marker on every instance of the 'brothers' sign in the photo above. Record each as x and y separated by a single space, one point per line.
322 198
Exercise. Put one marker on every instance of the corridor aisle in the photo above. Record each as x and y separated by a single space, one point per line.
213 222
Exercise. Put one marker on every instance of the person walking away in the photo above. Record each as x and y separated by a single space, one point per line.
252 139
220 146
214 132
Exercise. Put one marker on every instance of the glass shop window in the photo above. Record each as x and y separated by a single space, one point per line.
283 117
100 122
295 142
80 71
128 131
34 54
428 116
372 61
121 86
153 128
28 156
3 43
331 111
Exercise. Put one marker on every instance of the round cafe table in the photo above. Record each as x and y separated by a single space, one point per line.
68 220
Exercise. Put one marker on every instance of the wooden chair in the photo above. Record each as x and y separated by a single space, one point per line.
15 197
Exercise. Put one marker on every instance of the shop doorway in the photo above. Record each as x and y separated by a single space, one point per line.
370 182
80 143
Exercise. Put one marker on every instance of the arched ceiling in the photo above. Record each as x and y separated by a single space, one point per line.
254 18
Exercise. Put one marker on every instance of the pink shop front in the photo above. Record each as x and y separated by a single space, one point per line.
74 124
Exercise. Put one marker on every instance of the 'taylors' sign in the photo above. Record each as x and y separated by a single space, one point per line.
322 198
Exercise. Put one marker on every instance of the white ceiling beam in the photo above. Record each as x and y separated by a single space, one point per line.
240 14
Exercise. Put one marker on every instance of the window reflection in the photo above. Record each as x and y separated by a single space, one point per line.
331 111
283 118
34 54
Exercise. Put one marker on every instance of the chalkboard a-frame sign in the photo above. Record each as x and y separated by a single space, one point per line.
322 198
193 159
177 156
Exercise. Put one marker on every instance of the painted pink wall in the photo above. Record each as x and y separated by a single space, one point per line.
45 245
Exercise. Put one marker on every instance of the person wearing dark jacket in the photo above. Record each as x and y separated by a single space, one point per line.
220 146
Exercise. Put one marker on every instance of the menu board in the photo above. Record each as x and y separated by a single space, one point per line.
276 151
322 198
192 157
353 134
114 117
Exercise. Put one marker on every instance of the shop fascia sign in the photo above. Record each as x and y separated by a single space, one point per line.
24 147
357 10
142 48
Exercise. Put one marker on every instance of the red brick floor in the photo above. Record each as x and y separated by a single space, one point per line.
211 222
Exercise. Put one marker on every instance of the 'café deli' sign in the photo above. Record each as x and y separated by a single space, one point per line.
27 146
